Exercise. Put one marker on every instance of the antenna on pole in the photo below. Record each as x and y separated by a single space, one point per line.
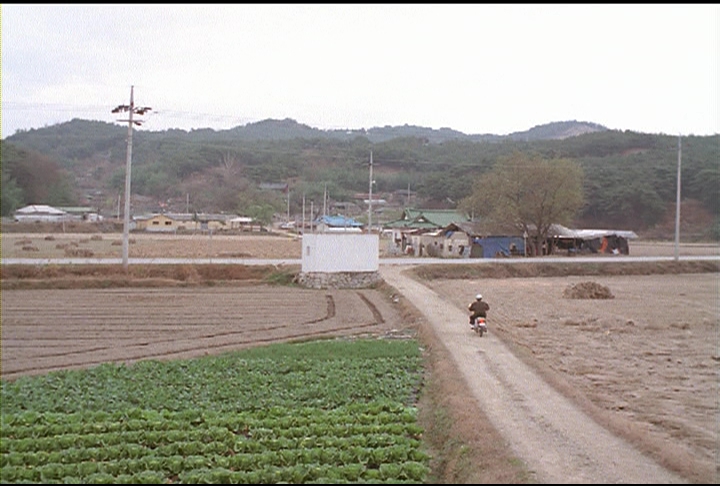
138 110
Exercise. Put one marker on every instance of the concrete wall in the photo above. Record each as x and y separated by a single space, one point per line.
340 252
42 218
339 280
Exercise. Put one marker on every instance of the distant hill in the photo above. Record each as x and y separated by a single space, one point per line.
549 131
288 129
96 135
557 131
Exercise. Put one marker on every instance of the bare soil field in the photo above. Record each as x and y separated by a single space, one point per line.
639 353
645 362
45 330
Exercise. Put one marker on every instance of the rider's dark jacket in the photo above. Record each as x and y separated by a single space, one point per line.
479 308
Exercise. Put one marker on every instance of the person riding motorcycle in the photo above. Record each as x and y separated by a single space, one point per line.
478 308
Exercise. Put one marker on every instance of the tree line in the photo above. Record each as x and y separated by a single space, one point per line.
629 179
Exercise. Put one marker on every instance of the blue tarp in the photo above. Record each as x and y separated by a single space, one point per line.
492 245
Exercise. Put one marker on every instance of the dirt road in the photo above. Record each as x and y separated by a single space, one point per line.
556 439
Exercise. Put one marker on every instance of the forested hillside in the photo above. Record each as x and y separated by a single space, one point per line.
630 179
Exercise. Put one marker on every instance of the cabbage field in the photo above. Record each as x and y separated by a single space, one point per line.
329 411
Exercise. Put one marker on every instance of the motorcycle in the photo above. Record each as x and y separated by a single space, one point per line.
479 325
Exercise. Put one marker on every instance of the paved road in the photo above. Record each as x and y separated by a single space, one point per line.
382 261
558 442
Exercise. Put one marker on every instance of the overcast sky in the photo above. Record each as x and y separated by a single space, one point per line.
474 68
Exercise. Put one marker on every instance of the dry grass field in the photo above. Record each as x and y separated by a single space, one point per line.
243 245
146 245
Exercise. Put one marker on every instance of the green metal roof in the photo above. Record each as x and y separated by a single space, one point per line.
402 223
427 218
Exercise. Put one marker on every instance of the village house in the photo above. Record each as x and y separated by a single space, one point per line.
469 239
337 224
411 233
173 222
482 240
41 213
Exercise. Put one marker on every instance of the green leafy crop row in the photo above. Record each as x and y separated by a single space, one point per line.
327 411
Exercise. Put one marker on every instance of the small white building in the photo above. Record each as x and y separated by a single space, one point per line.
339 260
241 222
337 252
41 213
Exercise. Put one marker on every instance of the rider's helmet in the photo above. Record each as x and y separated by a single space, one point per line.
478 297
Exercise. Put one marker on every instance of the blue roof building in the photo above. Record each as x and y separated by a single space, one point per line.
337 223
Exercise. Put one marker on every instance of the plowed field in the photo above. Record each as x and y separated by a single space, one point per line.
45 330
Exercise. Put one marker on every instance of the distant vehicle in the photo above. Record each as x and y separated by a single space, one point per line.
288 225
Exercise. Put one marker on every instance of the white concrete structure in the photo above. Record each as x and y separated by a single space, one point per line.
340 252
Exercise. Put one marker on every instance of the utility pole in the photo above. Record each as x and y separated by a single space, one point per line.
131 109
287 191
677 204
370 195
325 196
303 216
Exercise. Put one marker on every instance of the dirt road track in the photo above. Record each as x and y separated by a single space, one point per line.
557 441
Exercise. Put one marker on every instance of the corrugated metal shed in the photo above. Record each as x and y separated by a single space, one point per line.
558 230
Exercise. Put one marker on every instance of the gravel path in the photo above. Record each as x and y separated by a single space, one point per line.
557 441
